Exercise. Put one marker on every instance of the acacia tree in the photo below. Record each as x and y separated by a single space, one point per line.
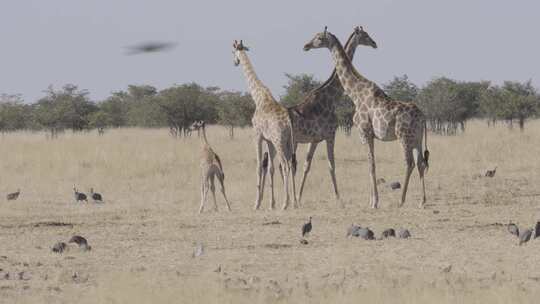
113 111
512 100
235 110
68 107
185 104
297 87
143 110
523 100
14 114
448 104
400 88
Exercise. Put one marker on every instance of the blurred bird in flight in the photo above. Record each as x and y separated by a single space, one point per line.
150 47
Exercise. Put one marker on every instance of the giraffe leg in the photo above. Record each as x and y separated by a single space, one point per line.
371 160
307 167
265 172
286 173
204 192
293 175
221 181
260 186
409 162
421 168
281 174
271 156
332 165
213 189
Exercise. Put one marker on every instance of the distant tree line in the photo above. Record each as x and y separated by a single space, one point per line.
177 107
448 105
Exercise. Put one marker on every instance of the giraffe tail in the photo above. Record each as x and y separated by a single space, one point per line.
426 151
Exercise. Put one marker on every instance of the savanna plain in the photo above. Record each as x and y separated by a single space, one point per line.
144 235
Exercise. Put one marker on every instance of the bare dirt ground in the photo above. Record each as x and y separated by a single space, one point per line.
143 237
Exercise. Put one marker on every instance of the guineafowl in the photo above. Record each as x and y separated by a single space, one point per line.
79 196
96 196
13 196
306 229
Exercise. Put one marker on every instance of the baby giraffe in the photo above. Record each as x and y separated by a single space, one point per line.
210 167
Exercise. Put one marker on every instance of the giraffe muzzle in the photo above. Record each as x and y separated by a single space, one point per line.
308 47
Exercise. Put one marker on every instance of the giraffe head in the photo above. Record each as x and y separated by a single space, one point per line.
321 40
361 37
237 48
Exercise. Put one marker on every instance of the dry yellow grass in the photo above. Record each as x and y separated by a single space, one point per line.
144 235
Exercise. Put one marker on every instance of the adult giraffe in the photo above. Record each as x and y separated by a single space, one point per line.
315 120
377 116
272 124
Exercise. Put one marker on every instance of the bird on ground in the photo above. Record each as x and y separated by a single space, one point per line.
525 236
13 196
513 229
537 230
306 229
491 173
199 250
79 196
388 233
59 247
403 233
96 196
353 230
366 234
81 241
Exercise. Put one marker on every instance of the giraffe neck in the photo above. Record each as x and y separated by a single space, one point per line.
331 88
352 81
204 139
349 49
333 83
256 87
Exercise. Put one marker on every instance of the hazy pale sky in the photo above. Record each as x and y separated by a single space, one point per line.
56 42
